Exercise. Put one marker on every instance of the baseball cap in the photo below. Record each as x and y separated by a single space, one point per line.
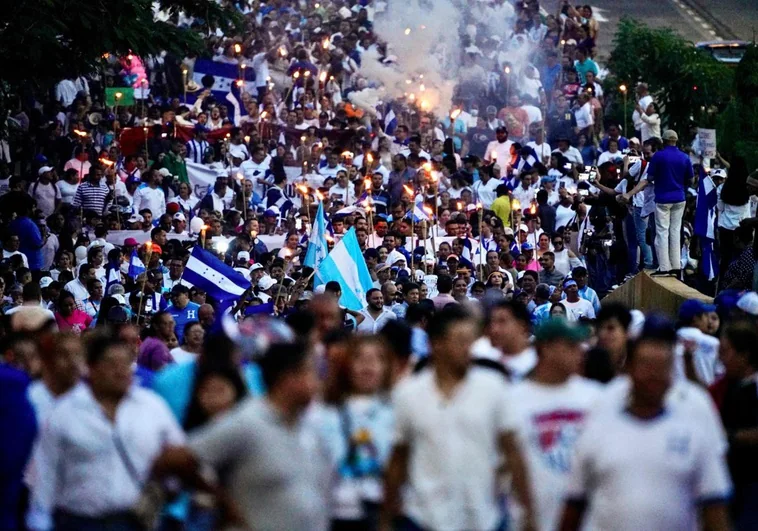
527 247
44 169
99 242
557 328
382 267
523 228
272 211
243 256
670 134
266 283
130 242
691 308
256 266
179 217
718 174
748 303
136 218
45 282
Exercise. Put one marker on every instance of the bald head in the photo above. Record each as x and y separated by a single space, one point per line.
326 314
206 315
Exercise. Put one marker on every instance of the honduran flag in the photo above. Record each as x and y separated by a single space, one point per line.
705 224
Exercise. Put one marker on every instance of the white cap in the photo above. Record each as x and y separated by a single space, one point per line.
96 243
748 303
266 283
136 218
165 172
120 298
243 255
45 282
179 217
44 169
256 266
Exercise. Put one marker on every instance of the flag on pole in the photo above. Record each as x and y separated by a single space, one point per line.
219 281
136 267
705 224
317 246
345 264
419 214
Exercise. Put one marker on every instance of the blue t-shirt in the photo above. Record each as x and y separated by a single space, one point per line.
30 240
182 317
670 171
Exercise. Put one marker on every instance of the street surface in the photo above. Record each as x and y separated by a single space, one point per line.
695 20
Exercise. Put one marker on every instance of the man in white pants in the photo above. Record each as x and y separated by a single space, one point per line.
670 171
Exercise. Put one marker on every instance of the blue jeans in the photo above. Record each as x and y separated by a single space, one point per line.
640 226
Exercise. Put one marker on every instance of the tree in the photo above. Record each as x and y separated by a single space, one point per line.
44 41
738 124
689 85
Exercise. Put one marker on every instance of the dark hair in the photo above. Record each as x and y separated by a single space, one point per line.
445 284
32 292
410 286
444 319
418 312
196 416
743 336
97 343
63 296
155 231
371 292
518 310
614 310
598 366
397 335
85 268
280 359
735 191
333 287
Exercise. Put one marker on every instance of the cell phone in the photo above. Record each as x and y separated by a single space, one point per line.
593 175
583 176
567 166
562 185
584 193
634 159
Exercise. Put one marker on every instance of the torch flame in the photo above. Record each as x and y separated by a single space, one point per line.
326 43
296 75
319 195
118 95
479 206
307 73
283 51
455 114
240 82
427 167
407 31
370 158
347 155
459 204
264 114
322 77
516 205
107 162
408 190
303 189
237 48
77 132
367 183
493 156
533 209
247 139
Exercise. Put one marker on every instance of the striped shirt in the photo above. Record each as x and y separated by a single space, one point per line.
91 196
196 150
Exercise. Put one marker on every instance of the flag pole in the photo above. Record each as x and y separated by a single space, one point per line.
148 255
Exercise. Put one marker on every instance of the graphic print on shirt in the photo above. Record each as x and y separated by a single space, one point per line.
555 434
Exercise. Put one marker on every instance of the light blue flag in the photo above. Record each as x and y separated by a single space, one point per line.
317 246
345 264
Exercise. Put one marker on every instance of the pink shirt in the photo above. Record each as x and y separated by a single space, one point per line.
77 322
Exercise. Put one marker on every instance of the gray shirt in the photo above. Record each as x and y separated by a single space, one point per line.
269 469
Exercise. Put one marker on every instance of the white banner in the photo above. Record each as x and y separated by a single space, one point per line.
707 139
200 178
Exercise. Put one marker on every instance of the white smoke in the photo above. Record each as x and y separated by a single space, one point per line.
423 41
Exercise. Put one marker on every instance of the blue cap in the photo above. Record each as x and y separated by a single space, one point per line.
692 308
527 247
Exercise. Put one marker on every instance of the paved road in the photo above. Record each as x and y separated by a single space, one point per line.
695 20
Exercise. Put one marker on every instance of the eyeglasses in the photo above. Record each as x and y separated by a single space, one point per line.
557 243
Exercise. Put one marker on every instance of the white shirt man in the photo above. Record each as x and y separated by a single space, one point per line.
346 193
486 192
151 198
572 154
370 325
542 151
547 420
501 153
256 170
454 448
525 196
81 460
583 115
619 456
705 355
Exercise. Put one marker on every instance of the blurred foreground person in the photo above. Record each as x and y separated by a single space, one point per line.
97 447
273 479
643 464
450 433
548 412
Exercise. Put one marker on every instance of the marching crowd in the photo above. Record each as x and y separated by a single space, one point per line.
300 308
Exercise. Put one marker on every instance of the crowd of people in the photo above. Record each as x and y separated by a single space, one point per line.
482 384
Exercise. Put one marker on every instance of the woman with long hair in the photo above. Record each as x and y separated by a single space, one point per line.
154 351
69 317
358 423
733 206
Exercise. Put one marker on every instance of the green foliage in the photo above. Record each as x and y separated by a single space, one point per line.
43 41
738 124
689 85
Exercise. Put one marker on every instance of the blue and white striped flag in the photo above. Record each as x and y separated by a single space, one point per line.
317 246
136 267
419 214
705 225
234 97
224 76
345 264
390 122
219 281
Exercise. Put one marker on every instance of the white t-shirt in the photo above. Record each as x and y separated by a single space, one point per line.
454 449
45 195
705 357
584 117
547 419
67 191
578 309
563 216
503 152
182 356
646 474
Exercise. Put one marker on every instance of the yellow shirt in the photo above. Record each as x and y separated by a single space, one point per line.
502 207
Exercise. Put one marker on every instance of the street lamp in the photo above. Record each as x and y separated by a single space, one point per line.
622 89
